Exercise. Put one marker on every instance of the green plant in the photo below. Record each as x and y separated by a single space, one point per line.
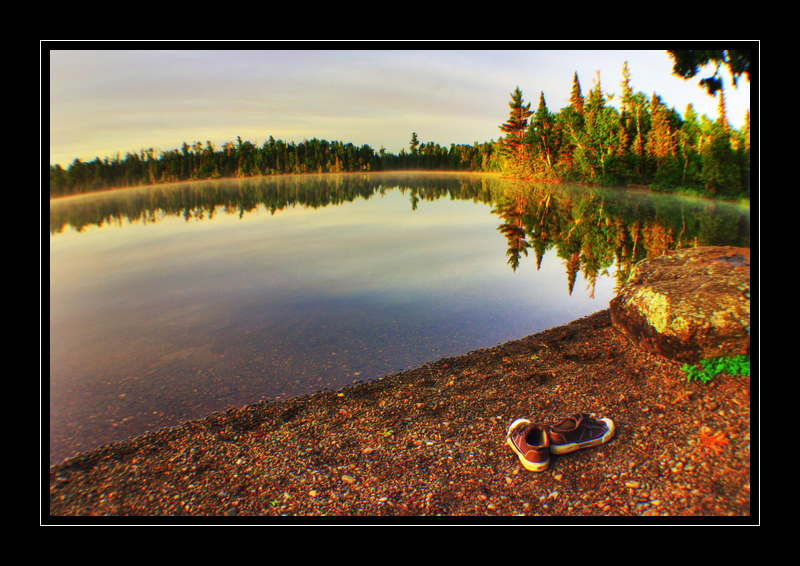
707 370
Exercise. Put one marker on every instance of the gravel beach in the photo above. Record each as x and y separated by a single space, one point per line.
430 441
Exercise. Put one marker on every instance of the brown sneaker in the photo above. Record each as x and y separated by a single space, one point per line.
530 442
579 431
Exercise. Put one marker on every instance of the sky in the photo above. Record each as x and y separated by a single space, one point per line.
108 101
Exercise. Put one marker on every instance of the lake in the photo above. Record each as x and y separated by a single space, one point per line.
172 302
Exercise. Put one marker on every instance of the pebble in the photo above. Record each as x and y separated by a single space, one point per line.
633 484
348 479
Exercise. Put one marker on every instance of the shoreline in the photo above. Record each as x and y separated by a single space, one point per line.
276 176
630 187
431 441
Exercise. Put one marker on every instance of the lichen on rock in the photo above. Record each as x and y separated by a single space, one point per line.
688 304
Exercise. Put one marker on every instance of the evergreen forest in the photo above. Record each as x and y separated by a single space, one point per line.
644 143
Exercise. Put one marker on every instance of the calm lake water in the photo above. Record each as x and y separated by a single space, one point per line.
169 303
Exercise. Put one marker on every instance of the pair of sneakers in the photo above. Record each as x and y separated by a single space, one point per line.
534 443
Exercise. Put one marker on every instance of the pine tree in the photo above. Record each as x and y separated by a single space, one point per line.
744 152
746 130
595 102
689 138
721 172
513 143
627 90
641 121
414 143
571 122
576 99
601 127
660 141
722 117
542 135
626 120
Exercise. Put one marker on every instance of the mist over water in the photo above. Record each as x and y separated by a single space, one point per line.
170 303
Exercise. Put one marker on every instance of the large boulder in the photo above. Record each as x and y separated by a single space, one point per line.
688 304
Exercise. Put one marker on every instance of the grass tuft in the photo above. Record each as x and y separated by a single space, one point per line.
707 370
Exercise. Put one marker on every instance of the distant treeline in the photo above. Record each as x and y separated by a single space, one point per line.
644 143
275 157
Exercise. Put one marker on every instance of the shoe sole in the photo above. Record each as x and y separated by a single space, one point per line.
572 447
530 466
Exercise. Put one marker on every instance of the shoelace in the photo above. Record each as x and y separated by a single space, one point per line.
588 423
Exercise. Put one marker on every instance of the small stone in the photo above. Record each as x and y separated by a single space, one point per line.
633 484
348 479
559 477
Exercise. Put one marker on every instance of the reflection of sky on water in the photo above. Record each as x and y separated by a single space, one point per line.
155 324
